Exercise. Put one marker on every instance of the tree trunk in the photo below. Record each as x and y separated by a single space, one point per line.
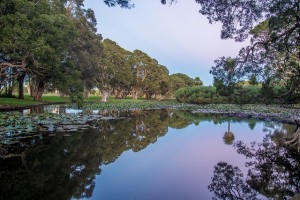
105 95
28 89
20 80
31 87
135 94
228 126
38 87
10 89
86 92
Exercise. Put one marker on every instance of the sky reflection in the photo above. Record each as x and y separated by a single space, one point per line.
178 166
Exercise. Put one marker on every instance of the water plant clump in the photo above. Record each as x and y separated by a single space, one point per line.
15 124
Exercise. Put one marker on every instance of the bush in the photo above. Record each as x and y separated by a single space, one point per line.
198 95
247 94
242 95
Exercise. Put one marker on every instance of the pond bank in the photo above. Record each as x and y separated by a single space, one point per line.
5 108
277 113
66 119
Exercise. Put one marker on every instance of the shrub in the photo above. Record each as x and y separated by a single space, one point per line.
198 95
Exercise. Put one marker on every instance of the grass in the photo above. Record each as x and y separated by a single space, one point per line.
97 99
16 102
54 98
28 101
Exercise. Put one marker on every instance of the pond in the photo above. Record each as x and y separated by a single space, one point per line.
152 154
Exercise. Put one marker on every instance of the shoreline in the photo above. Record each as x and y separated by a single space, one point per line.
279 113
19 108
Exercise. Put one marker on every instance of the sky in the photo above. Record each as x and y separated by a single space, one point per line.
176 35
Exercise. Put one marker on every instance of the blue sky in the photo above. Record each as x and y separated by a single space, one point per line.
177 36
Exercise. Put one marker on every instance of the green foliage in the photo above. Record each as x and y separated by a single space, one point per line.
253 80
247 94
241 95
274 45
198 95
54 45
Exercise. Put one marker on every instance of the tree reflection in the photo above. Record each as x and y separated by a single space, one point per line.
293 140
228 183
65 166
273 170
228 136
51 168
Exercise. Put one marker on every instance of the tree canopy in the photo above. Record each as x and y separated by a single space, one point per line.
274 28
55 46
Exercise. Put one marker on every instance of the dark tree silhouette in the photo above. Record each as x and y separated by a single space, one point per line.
228 184
273 169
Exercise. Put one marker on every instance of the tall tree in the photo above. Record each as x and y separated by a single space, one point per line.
225 75
275 40
86 49
35 36
141 69
110 63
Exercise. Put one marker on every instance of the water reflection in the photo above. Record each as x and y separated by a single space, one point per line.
64 166
273 169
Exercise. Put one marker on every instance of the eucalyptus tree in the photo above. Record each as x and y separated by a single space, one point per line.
123 80
35 36
151 85
55 33
163 82
110 68
280 38
85 50
15 40
141 70
180 80
225 75
53 43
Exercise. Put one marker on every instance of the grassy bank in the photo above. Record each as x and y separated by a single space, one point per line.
275 112
28 101
53 98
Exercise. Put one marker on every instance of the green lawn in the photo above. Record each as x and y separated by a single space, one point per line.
16 102
53 98
95 99
29 101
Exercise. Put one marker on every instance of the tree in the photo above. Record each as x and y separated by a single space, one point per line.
85 50
142 67
110 67
225 75
228 184
198 81
35 37
180 80
253 80
273 169
122 83
121 3
48 42
15 41
228 136
274 42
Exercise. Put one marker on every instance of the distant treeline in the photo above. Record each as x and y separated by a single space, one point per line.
244 94
54 46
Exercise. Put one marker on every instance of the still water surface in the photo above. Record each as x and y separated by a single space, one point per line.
147 155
